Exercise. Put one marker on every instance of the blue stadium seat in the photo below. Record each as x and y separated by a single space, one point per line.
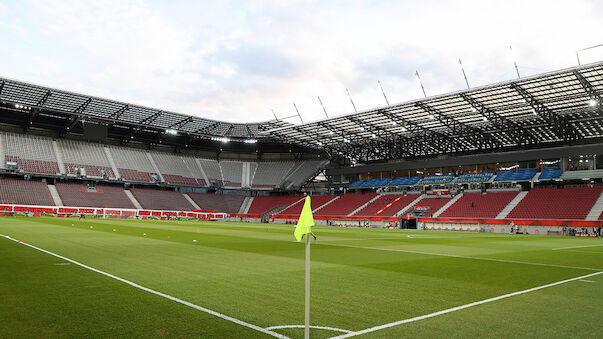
475 177
521 175
356 184
550 173
404 181
437 179
376 182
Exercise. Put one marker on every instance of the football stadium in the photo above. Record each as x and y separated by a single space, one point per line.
470 213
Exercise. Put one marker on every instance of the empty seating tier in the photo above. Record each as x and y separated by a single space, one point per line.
25 192
437 179
232 173
317 201
549 173
264 204
345 204
32 154
433 203
226 203
132 164
174 169
386 205
477 205
102 196
270 174
404 181
557 203
521 175
161 200
91 157
475 177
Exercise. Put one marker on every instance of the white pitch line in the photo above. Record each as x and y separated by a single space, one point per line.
588 281
458 308
316 327
133 284
463 257
567 248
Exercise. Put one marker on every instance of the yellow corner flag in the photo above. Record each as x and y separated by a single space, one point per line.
305 222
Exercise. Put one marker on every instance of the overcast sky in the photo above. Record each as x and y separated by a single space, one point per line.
236 61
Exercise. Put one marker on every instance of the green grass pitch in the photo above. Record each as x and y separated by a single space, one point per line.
361 278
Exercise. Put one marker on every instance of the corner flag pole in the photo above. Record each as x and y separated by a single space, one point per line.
304 227
307 306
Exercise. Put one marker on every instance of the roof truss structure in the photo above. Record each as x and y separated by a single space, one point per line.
77 107
561 107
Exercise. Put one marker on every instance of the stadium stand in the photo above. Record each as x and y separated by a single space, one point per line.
404 181
227 203
549 173
317 201
193 166
478 205
303 171
264 204
557 203
521 175
433 203
356 184
270 174
89 156
101 196
32 154
161 200
132 164
475 177
346 204
436 179
212 170
25 192
376 182
232 173
174 169
380 207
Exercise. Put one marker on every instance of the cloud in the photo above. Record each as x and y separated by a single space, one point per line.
236 61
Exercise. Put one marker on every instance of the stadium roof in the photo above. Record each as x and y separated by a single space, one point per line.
538 111
85 107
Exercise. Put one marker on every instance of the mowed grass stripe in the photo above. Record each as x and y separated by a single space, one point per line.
261 280
44 298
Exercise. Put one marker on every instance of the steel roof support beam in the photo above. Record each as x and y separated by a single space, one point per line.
520 134
119 112
150 119
461 129
560 125
181 123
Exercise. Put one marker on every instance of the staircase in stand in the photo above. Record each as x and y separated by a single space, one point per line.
518 198
596 210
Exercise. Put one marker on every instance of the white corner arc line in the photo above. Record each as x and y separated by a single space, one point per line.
464 257
567 248
133 284
458 308
335 329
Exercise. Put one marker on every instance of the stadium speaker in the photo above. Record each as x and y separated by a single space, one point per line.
95 132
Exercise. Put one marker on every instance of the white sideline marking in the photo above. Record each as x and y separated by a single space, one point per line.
458 308
588 281
567 248
183 302
302 326
463 257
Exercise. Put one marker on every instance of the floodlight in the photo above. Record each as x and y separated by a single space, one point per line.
593 102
